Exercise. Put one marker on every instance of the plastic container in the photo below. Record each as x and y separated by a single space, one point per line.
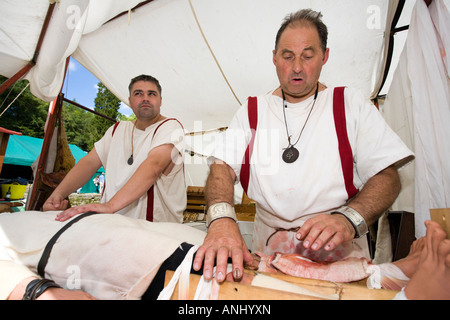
17 190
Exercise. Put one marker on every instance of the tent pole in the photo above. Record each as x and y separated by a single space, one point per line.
8 83
32 63
391 37
89 110
49 129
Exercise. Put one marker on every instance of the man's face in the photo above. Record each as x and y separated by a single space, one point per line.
298 61
145 100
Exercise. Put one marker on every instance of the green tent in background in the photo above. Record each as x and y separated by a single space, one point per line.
23 151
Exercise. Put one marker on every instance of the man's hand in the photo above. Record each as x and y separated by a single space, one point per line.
91 207
223 241
326 231
55 203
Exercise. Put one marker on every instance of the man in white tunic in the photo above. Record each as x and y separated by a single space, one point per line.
322 162
143 160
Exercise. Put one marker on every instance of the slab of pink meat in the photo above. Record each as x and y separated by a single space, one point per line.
347 270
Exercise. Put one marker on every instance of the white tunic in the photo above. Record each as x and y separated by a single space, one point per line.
169 191
287 194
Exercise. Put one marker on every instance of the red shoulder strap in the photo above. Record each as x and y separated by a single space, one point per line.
253 121
151 191
169 119
345 149
115 127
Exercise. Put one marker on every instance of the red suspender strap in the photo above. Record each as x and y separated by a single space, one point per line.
150 203
151 191
253 121
345 149
115 127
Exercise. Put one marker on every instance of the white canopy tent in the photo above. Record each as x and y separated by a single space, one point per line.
209 55
204 78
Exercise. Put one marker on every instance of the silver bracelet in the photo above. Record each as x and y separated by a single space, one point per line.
355 218
220 210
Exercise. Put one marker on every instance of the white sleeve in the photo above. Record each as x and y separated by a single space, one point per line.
375 145
232 145
171 132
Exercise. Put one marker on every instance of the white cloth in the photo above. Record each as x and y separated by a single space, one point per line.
109 256
386 276
180 276
11 275
285 193
418 108
169 191
401 296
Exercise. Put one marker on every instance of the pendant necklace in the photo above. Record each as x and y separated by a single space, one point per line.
130 159
291 154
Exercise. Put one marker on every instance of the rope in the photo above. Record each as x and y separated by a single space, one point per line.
212 52
14 99
205 131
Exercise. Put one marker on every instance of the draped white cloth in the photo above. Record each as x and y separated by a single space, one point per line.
418 109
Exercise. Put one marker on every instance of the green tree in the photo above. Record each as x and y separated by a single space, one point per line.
27 114
78 124
124 117
107 104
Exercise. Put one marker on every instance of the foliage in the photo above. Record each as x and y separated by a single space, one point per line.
77 123
28 115
107 104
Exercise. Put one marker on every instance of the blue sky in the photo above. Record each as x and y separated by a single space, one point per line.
81 86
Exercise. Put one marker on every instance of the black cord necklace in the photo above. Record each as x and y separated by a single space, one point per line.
130 159
291 154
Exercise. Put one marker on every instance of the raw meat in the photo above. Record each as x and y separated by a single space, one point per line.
347 270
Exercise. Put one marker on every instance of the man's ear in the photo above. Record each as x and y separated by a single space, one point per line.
326 56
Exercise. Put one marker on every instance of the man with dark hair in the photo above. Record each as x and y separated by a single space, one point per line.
145 77
320 163
143 161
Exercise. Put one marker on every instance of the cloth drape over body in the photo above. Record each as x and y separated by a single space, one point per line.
109 256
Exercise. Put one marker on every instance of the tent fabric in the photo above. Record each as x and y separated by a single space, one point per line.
24 150
209 55
164 38
418 108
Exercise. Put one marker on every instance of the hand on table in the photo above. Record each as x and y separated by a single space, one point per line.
223 241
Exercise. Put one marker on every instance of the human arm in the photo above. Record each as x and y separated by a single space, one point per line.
53 293
76 178
328 231
158 161
15 277
224 239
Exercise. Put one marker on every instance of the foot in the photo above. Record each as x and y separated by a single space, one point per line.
431 280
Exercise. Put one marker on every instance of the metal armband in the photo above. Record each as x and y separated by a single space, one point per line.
355 218
220 210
